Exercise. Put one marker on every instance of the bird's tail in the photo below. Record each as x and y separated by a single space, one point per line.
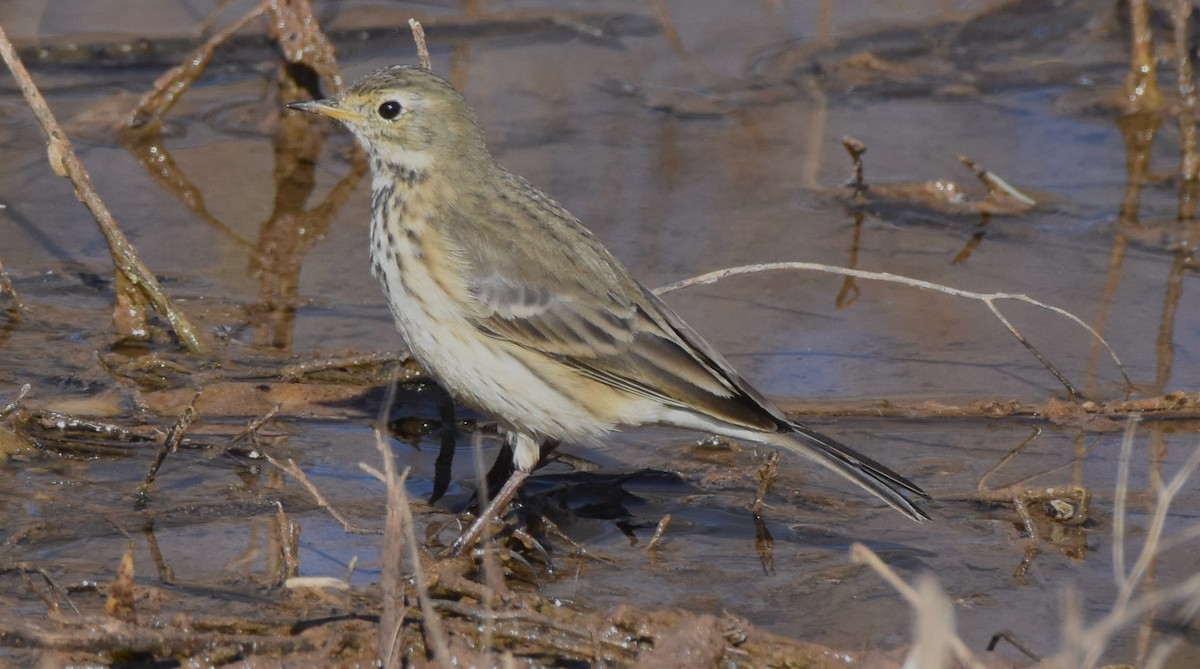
870 475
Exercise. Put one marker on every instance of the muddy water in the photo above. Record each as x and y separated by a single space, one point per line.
690 139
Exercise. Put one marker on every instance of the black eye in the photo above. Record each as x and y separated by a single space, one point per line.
389 110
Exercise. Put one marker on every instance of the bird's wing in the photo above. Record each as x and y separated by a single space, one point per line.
556 291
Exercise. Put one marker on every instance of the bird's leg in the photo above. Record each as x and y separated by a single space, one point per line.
449 438
500 472
493 510
514 442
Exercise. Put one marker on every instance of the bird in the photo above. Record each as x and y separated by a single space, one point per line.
522 313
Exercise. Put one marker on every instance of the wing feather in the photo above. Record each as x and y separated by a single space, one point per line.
555 291
585 310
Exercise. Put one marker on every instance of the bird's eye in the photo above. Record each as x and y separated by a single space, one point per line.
389 110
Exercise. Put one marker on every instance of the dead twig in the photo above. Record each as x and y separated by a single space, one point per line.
254 426
170 445
289 544
941 195
988 299
997 188
297 371
422 50
656 538
59 594
290 468
400 523
1011 637
136 284
767 474
981 486
394 599
51 599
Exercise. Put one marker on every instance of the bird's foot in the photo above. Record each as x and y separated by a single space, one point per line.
492 512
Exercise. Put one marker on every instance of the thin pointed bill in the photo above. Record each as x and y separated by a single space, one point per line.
329 108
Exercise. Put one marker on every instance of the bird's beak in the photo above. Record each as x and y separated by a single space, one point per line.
329 107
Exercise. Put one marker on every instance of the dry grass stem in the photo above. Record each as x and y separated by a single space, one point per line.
981 486
860 554
136 284
60 595
435 634
1085 651
395 606
934 628
1129 582
418 34
400 532
290 468
988 299
1084 646
493 576
1119 501
390 639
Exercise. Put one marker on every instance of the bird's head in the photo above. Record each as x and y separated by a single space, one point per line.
406 118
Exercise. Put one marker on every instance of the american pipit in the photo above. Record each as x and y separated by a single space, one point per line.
519 311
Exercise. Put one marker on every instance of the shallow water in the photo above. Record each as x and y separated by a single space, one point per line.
690 139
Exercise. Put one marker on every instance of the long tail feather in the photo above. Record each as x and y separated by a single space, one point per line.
867 473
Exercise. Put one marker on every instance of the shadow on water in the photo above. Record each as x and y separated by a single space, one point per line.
689 141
